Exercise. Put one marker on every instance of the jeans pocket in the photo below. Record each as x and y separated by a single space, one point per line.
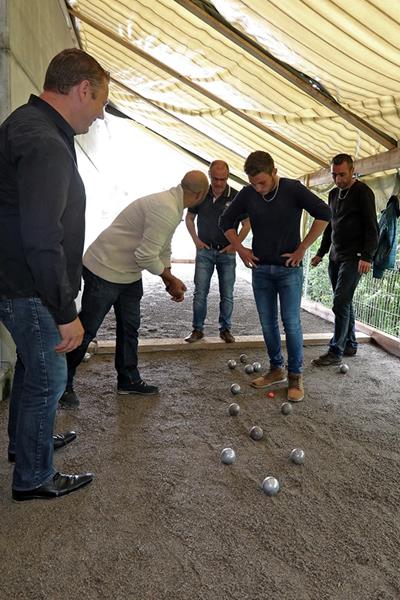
6 310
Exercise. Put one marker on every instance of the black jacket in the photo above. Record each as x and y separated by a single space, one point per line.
385 257
42 209
352 233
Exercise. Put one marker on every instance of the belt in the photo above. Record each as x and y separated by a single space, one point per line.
218 246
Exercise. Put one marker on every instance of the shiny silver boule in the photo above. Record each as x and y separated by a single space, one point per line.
256 433
228 456
270 485
234 409
257 367
249 369
297 456
231 363
235 388
243 358
344 368
87 357
286 408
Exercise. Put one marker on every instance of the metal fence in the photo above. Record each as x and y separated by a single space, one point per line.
376 301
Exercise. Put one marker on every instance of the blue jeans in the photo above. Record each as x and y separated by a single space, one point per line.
98 297
271 282
206 261
344 278
39 381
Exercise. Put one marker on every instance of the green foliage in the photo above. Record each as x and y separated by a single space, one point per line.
376 301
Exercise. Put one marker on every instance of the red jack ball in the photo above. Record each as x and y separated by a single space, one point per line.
271 395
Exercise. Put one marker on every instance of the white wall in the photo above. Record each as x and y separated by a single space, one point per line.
119 161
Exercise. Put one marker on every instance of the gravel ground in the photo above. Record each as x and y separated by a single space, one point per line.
165 520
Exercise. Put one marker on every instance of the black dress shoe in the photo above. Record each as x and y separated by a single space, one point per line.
59 440
69 399
63 439
60 485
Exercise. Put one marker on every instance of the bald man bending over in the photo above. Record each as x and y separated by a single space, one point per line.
138 239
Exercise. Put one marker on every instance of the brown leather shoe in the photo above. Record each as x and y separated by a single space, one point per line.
296 388
195 336
277 375
226 335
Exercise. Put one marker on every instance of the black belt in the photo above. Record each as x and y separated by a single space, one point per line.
217 246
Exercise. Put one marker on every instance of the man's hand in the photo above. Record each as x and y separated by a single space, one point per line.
294 258
71 336
247 256
176 289
314 262
200 245
364 267
229 249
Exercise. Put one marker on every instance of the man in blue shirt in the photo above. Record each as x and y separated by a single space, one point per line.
213 251
275 206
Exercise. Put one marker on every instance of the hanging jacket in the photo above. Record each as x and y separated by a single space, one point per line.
385 257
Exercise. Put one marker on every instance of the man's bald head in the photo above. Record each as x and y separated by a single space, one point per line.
195 187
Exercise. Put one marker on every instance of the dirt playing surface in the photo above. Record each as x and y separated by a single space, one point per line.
165 520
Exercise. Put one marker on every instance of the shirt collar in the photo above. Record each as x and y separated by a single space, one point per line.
225 193
53 114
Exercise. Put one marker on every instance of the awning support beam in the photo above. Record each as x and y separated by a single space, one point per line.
385 161
132 48
290 75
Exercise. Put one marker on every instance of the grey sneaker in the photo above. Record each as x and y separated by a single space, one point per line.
329 358
140 387
68 400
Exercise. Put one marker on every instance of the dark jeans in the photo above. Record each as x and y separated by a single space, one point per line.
344 278
39 381
225 263
98 297
271 282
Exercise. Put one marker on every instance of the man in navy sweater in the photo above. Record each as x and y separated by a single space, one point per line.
274 206
352 237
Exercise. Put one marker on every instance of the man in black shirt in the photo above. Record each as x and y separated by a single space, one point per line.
214 251
275 207
352 237
42 223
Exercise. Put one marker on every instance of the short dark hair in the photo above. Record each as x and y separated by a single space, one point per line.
259 162
341 158
70 67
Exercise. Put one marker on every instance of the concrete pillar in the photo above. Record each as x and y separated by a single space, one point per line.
4 60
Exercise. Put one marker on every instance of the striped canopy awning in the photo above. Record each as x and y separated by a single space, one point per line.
301 79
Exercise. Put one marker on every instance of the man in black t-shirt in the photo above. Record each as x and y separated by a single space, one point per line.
214 251
352 237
